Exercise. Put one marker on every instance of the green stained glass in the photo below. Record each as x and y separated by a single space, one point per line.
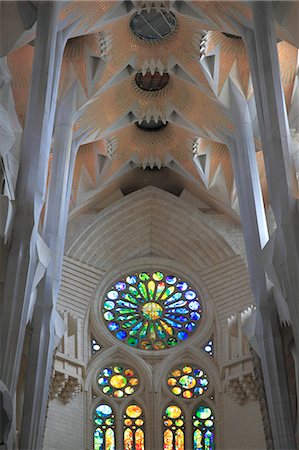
167 293
142 289
143 331
151 289
159 310
152 333
144 276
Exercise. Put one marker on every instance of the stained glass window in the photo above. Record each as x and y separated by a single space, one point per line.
104 434
187 381
151 311
209 348
174 424
118 381
203 428
134 428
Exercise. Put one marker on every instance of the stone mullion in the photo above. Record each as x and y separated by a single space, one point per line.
252 212
43 324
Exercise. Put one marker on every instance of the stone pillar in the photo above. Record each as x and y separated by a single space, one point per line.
252 212
42 343
30 191
261 45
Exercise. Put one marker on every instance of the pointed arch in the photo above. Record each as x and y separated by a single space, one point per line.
134 428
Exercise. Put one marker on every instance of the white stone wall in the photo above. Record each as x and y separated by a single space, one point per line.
155 226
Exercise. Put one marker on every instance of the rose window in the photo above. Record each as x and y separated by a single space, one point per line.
151 311
187 382
117 381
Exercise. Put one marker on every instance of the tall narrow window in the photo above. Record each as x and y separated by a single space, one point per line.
203 428
104 435
134 428
174 436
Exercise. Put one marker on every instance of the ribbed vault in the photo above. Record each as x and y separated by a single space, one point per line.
150 222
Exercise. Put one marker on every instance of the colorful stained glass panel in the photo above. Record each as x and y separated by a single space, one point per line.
151 310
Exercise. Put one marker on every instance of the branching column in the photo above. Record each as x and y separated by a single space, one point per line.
267 335
30 192
261 45
42 342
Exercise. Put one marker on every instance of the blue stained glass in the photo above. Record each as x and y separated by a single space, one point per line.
209 438
102 381
172 323
190 295
120 286
203 382
121 335
98 421
171 279
177 317
180 310
190 326
179 303
109 305
182 286
107 372
112 295
128 304
194 315
124 318
109 315
131 279
194 305
103 410
198 372
173 298
182 335
113 326
136 328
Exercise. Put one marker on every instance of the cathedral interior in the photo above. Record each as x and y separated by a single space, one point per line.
149 264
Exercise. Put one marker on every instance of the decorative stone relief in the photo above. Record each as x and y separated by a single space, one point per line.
242 389
68 365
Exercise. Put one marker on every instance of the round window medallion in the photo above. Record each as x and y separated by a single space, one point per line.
151 311
153 25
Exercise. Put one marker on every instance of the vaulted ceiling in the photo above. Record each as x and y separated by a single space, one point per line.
152 92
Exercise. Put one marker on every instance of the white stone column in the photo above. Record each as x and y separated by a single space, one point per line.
261 43
42 343
30 191
270 351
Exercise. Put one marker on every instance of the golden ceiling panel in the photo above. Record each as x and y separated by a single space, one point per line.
20 66
221 12
288 62
182 45
85 13
231 50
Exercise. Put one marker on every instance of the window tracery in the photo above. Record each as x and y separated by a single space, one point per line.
151 310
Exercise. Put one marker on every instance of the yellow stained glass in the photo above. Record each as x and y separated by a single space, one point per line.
176 373
139 422
133 381
177 390
179 440
139 439
168 438
118 381
133 411
152 310
187 369
128 439
173 412
109 439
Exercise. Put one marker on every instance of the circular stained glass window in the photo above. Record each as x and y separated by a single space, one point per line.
118 381
151 310
152 25
187 382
